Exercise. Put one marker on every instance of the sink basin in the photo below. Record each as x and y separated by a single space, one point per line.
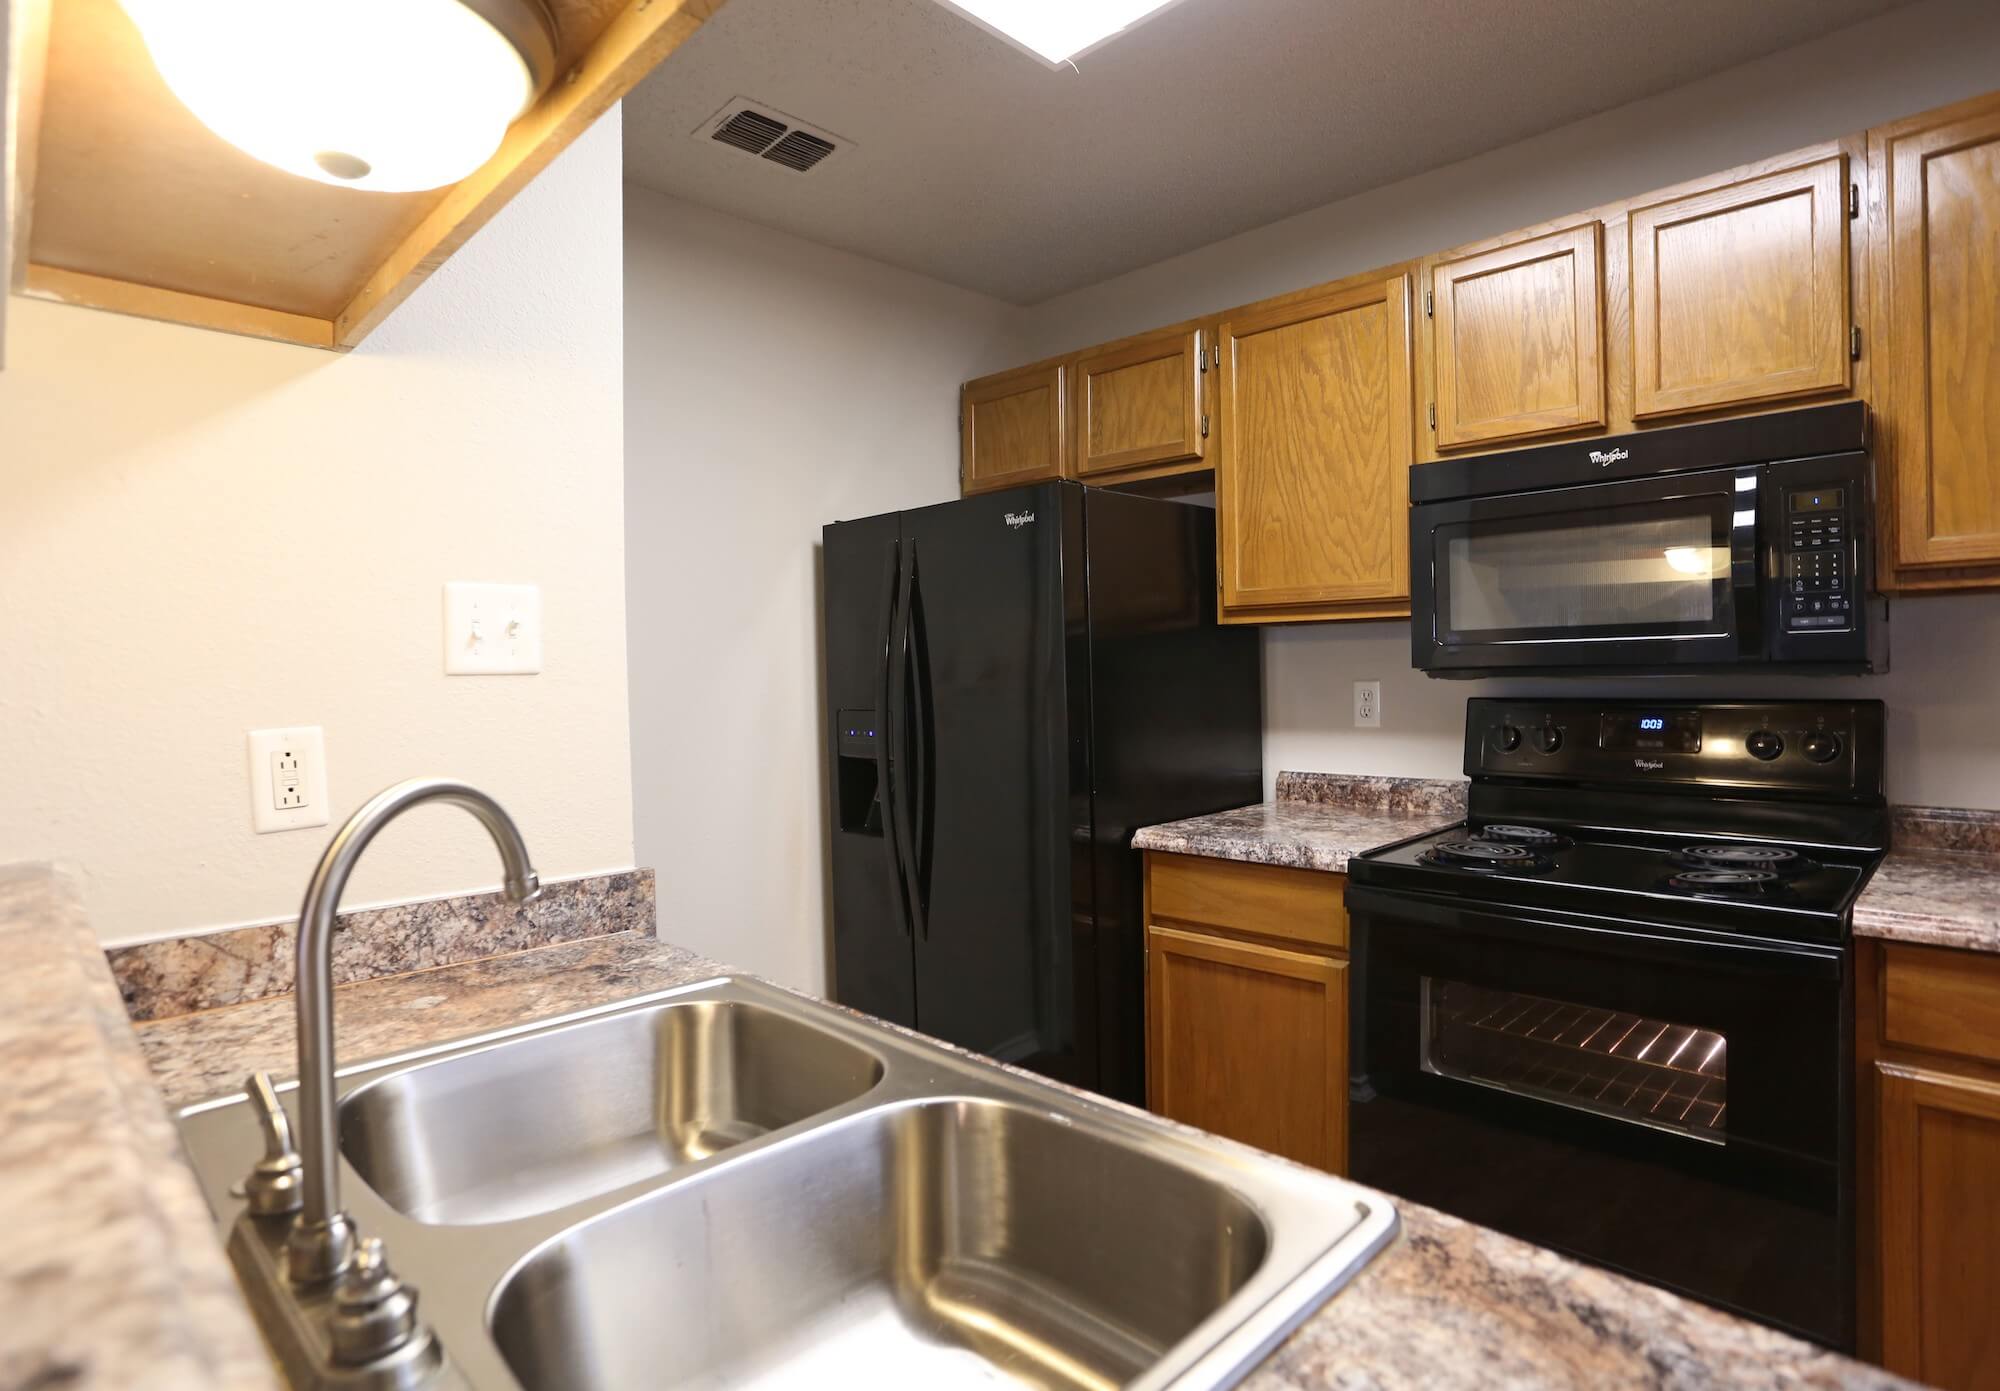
543 1122
727 1184
935 1244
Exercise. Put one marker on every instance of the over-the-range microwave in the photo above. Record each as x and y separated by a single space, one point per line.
1715 547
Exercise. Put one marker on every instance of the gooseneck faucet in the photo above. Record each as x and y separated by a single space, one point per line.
321 1245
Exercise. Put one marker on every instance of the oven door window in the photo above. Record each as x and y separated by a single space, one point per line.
1649 1072
1642 570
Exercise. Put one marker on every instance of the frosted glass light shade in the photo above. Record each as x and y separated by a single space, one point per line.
390 95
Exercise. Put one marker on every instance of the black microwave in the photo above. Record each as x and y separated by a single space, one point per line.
1720 546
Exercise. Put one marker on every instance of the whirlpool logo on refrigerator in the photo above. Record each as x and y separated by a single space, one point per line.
1017 520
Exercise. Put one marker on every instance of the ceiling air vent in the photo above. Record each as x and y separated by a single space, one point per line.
770 134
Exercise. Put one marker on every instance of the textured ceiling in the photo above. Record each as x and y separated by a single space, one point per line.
975 164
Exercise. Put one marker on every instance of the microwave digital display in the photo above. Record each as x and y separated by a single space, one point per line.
1658 731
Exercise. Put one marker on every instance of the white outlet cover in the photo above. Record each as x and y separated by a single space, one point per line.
268 747
492 629
1367 704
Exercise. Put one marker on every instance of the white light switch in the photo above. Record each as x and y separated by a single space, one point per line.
492 629
287 778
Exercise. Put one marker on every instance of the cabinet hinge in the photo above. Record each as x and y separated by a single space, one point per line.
1854 200
1204 424
1428 304
1854 342
1434 415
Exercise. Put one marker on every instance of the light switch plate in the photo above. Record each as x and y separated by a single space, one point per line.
492 629
287 778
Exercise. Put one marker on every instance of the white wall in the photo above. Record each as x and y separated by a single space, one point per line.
772 386
202 535
1945 747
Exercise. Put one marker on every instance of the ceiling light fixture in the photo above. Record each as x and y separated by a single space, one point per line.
390 95
1057 31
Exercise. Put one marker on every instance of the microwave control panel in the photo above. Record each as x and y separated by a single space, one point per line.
1818 570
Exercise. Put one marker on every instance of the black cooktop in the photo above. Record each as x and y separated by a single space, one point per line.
1765 888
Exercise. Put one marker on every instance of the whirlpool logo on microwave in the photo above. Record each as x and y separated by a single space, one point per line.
1648 765
1017 520
1605 458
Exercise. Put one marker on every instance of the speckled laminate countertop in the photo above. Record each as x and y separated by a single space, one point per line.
1317 821
1448 1305
110 1273
1940 884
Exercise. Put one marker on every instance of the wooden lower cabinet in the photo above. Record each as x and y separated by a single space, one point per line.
1246 1010
1928 1036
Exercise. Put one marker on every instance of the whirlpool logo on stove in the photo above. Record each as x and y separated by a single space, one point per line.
1648 765
1605 458
1017 520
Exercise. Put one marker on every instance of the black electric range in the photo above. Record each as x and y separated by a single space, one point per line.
1610 1012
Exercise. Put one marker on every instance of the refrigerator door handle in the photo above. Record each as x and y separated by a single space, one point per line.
923 785
900 720
885 763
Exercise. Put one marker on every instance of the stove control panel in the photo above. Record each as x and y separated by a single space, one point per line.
1829 747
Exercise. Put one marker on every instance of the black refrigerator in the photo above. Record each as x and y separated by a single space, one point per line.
1015 682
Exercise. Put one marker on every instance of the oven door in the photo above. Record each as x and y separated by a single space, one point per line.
1650 572
1667 1104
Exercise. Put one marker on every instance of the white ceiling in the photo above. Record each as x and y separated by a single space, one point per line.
976 164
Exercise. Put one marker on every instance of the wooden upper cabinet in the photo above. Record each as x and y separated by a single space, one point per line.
1935 206
1137 407
1313 469
1011 428
1518 338
1740 291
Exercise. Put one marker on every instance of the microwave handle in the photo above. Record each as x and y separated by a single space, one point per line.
1748 560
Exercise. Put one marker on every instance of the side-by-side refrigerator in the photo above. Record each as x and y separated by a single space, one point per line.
1015 682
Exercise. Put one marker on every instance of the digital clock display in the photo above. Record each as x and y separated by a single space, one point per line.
1631 731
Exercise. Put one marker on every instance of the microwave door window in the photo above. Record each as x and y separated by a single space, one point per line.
1643 572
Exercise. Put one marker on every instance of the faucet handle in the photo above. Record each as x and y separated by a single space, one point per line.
374 1309
274 1185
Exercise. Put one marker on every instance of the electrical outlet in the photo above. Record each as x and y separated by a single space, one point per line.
1367 704
287 778
492 629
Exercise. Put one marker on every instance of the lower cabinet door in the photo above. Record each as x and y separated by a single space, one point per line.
1249 1041
1938 1195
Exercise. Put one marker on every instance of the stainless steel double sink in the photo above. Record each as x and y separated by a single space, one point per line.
729 1185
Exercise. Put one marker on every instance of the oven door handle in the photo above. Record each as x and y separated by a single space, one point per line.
1668 946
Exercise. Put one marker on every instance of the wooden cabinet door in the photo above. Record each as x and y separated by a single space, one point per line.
1011 427
1138 407
1938 1216
1739 292
1936 236
1313 472
1518 338
1249 1041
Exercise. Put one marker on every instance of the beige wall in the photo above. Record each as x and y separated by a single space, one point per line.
1945 747
772 386
202 535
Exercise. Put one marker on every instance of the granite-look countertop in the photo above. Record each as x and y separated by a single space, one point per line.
1940 884
111 1276
1447 1305
1317 821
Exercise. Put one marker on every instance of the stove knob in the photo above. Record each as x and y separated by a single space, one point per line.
1548 738
1766 746
1822 747
1506 738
